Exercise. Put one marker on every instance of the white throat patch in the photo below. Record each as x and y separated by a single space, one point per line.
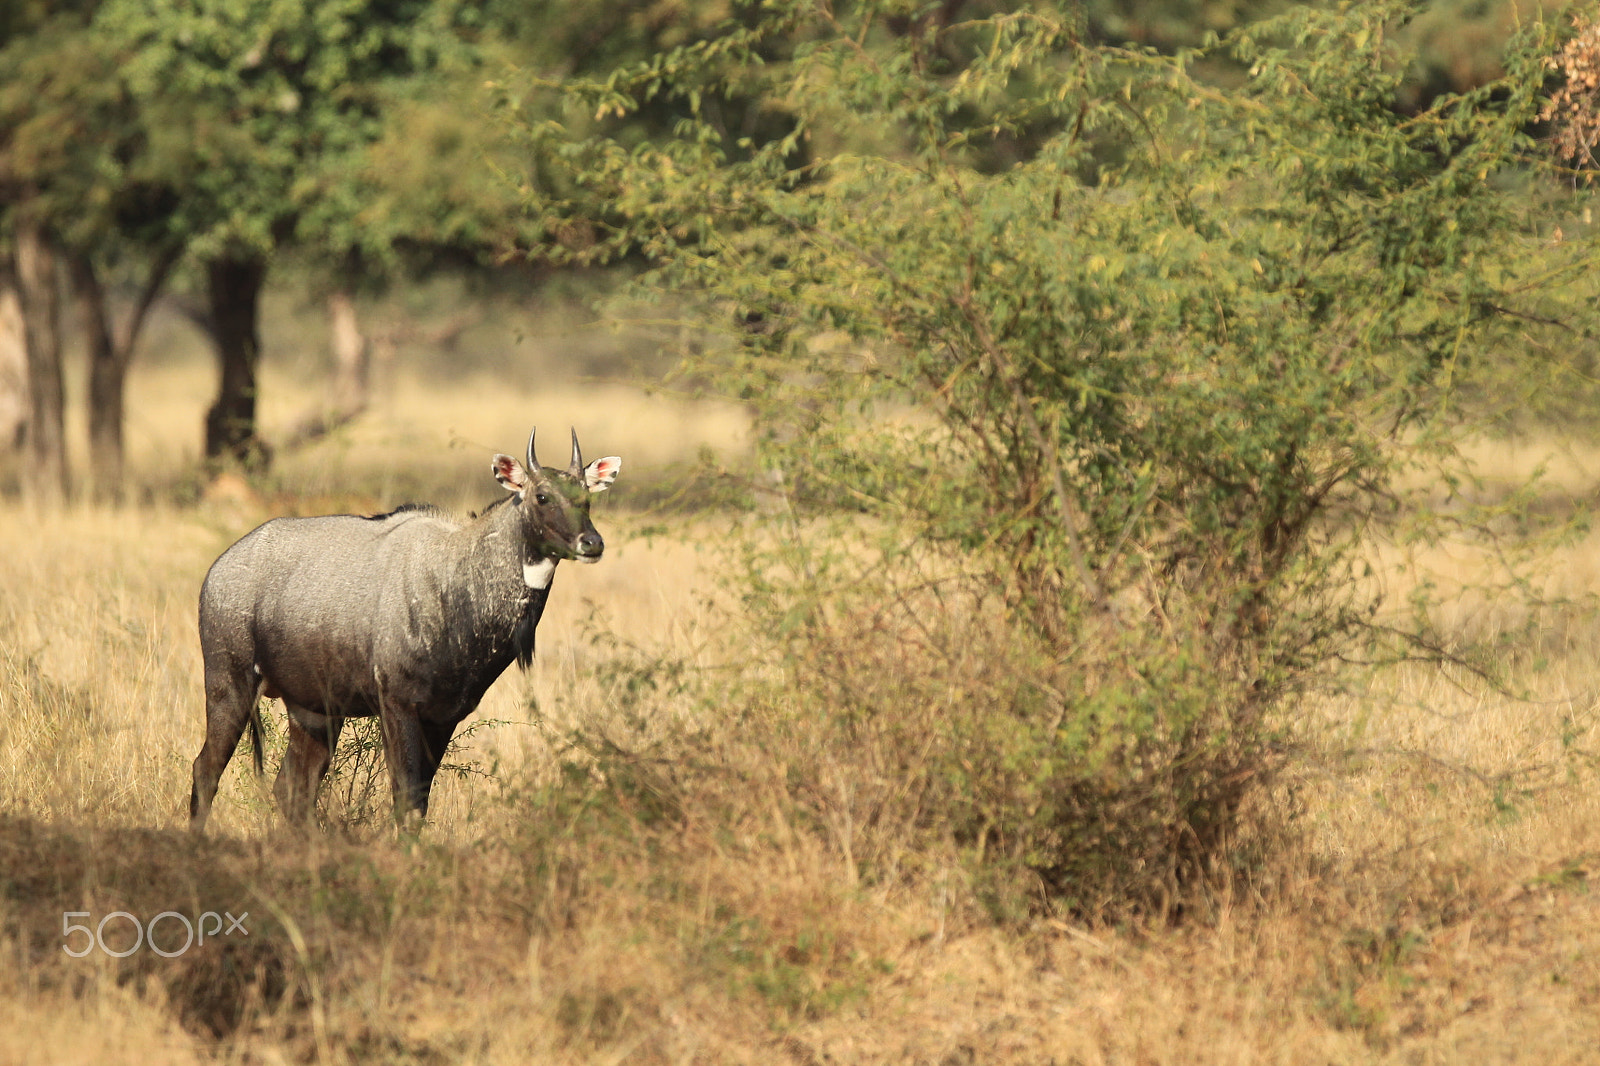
537 575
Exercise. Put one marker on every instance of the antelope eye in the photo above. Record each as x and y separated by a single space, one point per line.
542 499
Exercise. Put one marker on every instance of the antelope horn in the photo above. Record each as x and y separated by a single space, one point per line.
576 470
533 464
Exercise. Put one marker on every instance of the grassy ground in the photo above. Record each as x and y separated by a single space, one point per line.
1439 902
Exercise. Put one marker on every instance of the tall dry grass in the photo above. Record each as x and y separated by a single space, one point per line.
1435 902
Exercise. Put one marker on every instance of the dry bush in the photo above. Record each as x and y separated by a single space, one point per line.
888 708
1571 110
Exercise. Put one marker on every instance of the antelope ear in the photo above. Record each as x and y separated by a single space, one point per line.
599 474
509 472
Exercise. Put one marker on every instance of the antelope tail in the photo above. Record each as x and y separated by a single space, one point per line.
255 734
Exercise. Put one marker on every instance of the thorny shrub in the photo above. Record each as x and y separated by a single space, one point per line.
1082 384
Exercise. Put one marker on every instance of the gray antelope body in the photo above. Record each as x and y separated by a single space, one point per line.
410 616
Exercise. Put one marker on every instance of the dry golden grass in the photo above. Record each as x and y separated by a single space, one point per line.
1423 914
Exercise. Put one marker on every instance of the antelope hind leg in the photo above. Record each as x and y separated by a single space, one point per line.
231 696
312 740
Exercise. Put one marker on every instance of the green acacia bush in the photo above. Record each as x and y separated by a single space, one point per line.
1081 382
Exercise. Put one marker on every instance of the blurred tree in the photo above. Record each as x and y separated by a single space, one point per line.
13 368
44 469
1168 25
261 115
1459 45
45 478
36 110
70 152
353 133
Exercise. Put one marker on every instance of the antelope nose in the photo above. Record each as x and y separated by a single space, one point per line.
590 545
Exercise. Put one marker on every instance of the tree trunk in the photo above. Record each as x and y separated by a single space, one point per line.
110 356
352 358
13 366
107 372
235 293
352 376
44 476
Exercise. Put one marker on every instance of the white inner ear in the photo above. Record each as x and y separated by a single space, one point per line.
537 575
509 473
599 474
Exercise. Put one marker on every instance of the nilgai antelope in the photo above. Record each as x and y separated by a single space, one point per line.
410 616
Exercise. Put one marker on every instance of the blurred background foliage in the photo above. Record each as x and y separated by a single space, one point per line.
191 154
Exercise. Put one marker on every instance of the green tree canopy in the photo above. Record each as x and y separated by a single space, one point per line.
261 120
